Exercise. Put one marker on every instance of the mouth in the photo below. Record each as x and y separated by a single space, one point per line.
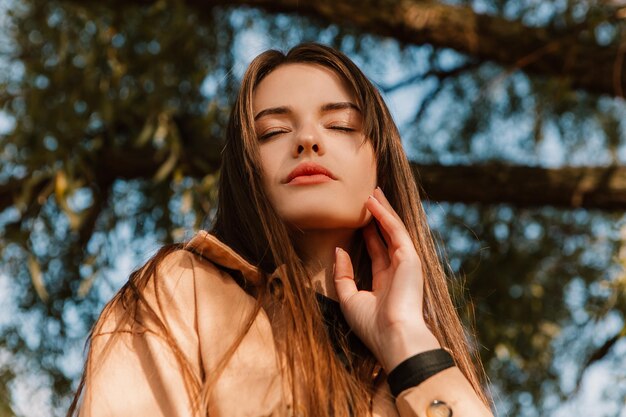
309 173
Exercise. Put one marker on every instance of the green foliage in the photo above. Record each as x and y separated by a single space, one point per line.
103 108
536 279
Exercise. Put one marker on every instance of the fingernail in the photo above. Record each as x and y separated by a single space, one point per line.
337 249
373 198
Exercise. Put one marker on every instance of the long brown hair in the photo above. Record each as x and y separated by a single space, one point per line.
247 222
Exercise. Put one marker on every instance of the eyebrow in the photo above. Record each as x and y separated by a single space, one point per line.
340 106
325 108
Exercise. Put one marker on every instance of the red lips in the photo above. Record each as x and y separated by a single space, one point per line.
309 169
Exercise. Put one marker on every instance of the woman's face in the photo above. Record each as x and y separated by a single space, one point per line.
317 168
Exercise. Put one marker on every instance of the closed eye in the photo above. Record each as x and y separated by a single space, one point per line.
342 128
271 133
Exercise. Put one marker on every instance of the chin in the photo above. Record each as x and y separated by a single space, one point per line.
323 218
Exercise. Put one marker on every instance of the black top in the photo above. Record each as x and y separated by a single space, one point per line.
337 328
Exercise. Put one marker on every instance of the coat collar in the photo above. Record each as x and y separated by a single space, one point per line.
210 247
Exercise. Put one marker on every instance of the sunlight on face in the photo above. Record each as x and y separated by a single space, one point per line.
317 168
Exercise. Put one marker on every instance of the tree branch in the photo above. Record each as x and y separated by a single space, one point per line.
12 190
524 186
601 188
439 74
571 54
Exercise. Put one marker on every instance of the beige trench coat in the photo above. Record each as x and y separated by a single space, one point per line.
137 374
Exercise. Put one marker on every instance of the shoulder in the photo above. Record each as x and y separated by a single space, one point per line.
180 302
185 268
222 310
188 286
168 290
186 282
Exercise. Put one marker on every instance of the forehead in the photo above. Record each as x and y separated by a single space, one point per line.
299 85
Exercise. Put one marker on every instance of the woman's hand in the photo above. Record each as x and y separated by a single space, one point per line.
389 319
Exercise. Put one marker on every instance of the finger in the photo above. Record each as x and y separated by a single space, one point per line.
376 248
344 276
397 235
385 235
382 198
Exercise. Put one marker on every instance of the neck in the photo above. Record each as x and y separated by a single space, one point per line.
317 249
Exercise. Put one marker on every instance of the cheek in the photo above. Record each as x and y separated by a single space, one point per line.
366 167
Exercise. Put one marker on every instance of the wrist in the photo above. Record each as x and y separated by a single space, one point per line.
417 369
401 345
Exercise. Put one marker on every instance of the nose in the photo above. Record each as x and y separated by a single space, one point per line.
308 140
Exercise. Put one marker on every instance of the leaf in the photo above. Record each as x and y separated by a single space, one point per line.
36 277
62 188
186 202
85 285
147 132
167 167
162 129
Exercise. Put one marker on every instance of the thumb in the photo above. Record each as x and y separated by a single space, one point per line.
344 276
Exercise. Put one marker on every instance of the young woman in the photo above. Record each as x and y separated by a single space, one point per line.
317 292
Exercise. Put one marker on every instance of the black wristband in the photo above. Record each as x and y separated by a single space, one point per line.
418 369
